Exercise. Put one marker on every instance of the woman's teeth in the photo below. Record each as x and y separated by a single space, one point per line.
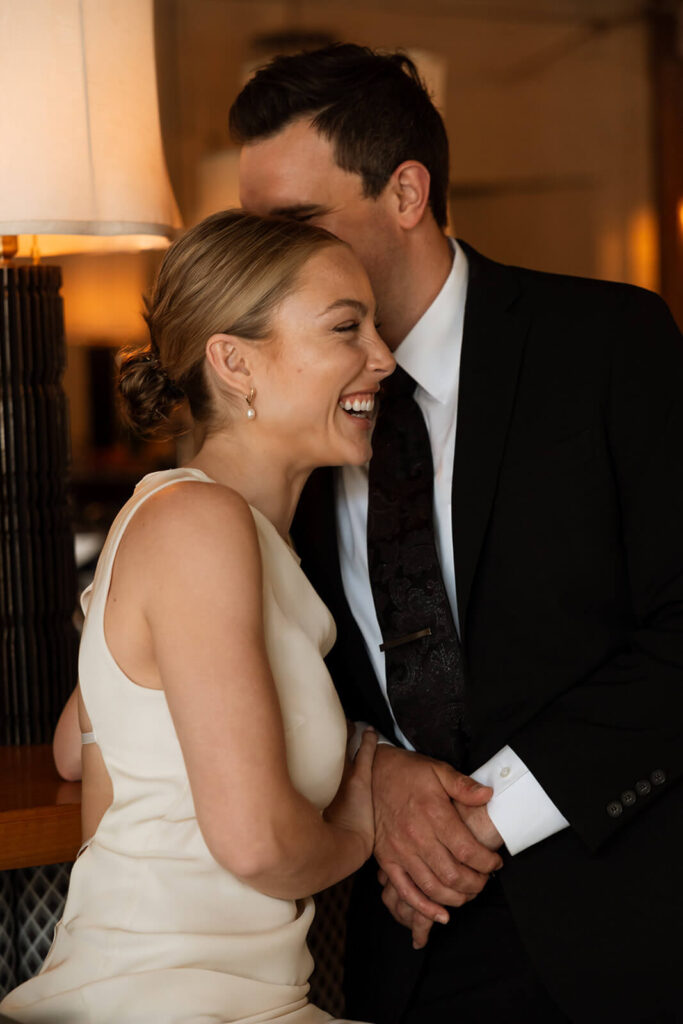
357 406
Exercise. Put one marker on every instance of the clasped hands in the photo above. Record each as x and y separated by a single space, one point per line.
434 841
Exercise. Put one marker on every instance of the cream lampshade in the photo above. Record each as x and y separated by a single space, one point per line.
81 157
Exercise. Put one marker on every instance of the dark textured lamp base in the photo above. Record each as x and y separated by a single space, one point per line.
37 573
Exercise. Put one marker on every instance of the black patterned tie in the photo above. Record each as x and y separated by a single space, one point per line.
424 665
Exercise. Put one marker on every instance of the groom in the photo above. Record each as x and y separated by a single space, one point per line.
544 653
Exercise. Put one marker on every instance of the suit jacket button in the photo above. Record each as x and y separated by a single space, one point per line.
658 777
615 808
628 798
643 787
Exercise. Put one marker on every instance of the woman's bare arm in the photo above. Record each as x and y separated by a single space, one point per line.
198 577
75 761
66 745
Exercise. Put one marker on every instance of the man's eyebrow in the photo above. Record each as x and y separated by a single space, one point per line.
345 303
295 210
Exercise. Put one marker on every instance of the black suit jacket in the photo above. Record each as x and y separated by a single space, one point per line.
568 551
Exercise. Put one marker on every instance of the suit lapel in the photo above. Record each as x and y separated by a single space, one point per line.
494 333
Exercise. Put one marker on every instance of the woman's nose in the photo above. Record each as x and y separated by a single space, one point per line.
380 359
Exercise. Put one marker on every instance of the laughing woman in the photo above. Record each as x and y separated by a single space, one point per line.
214 739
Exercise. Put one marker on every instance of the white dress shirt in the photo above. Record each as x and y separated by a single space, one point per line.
520 808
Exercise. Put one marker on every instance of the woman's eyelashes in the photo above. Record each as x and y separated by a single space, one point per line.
351 325
354 325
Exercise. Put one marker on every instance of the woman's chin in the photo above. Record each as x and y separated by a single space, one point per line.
361 455
356 455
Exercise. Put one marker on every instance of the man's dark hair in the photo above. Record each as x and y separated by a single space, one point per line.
373 107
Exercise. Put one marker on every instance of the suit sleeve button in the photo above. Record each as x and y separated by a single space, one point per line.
643 787
628 798
615 808
658 777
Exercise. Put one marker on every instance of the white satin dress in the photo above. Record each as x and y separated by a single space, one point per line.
154 930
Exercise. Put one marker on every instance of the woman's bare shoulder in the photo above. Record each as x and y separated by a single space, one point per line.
203 526
187 507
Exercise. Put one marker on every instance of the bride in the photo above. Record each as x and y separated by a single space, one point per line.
216 791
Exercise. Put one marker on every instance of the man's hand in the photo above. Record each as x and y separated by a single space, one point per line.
484 830
423 839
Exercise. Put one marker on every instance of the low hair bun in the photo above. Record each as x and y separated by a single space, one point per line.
149 397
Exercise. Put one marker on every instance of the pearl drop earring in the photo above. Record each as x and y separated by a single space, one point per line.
251 412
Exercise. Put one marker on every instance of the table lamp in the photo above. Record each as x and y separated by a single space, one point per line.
81 169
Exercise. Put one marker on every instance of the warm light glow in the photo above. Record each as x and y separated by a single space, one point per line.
218 182
680 215
80 140
643 249
103 297
59 245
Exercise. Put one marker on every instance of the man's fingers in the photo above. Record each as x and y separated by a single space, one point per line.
414 897
421 928
420 829
419 925
466 850
445 881
398 908
447 869
461 787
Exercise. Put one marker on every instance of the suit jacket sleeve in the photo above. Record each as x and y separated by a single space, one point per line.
611 744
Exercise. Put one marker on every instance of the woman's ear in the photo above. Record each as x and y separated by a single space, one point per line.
228 357
411 182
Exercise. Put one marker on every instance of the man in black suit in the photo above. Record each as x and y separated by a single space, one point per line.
554 409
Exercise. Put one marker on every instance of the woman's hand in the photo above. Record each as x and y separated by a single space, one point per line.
352 806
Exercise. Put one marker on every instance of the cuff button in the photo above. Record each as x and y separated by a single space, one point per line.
628 798
615 808
657 777
643 787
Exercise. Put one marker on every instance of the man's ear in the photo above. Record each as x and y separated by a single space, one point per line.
228 357
410 183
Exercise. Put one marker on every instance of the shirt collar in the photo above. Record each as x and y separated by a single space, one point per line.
430 352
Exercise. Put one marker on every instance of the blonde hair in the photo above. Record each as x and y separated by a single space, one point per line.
226 275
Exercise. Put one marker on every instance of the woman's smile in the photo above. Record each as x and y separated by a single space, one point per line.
360 406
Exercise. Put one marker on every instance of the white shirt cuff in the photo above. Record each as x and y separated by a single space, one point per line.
357 735
520 808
